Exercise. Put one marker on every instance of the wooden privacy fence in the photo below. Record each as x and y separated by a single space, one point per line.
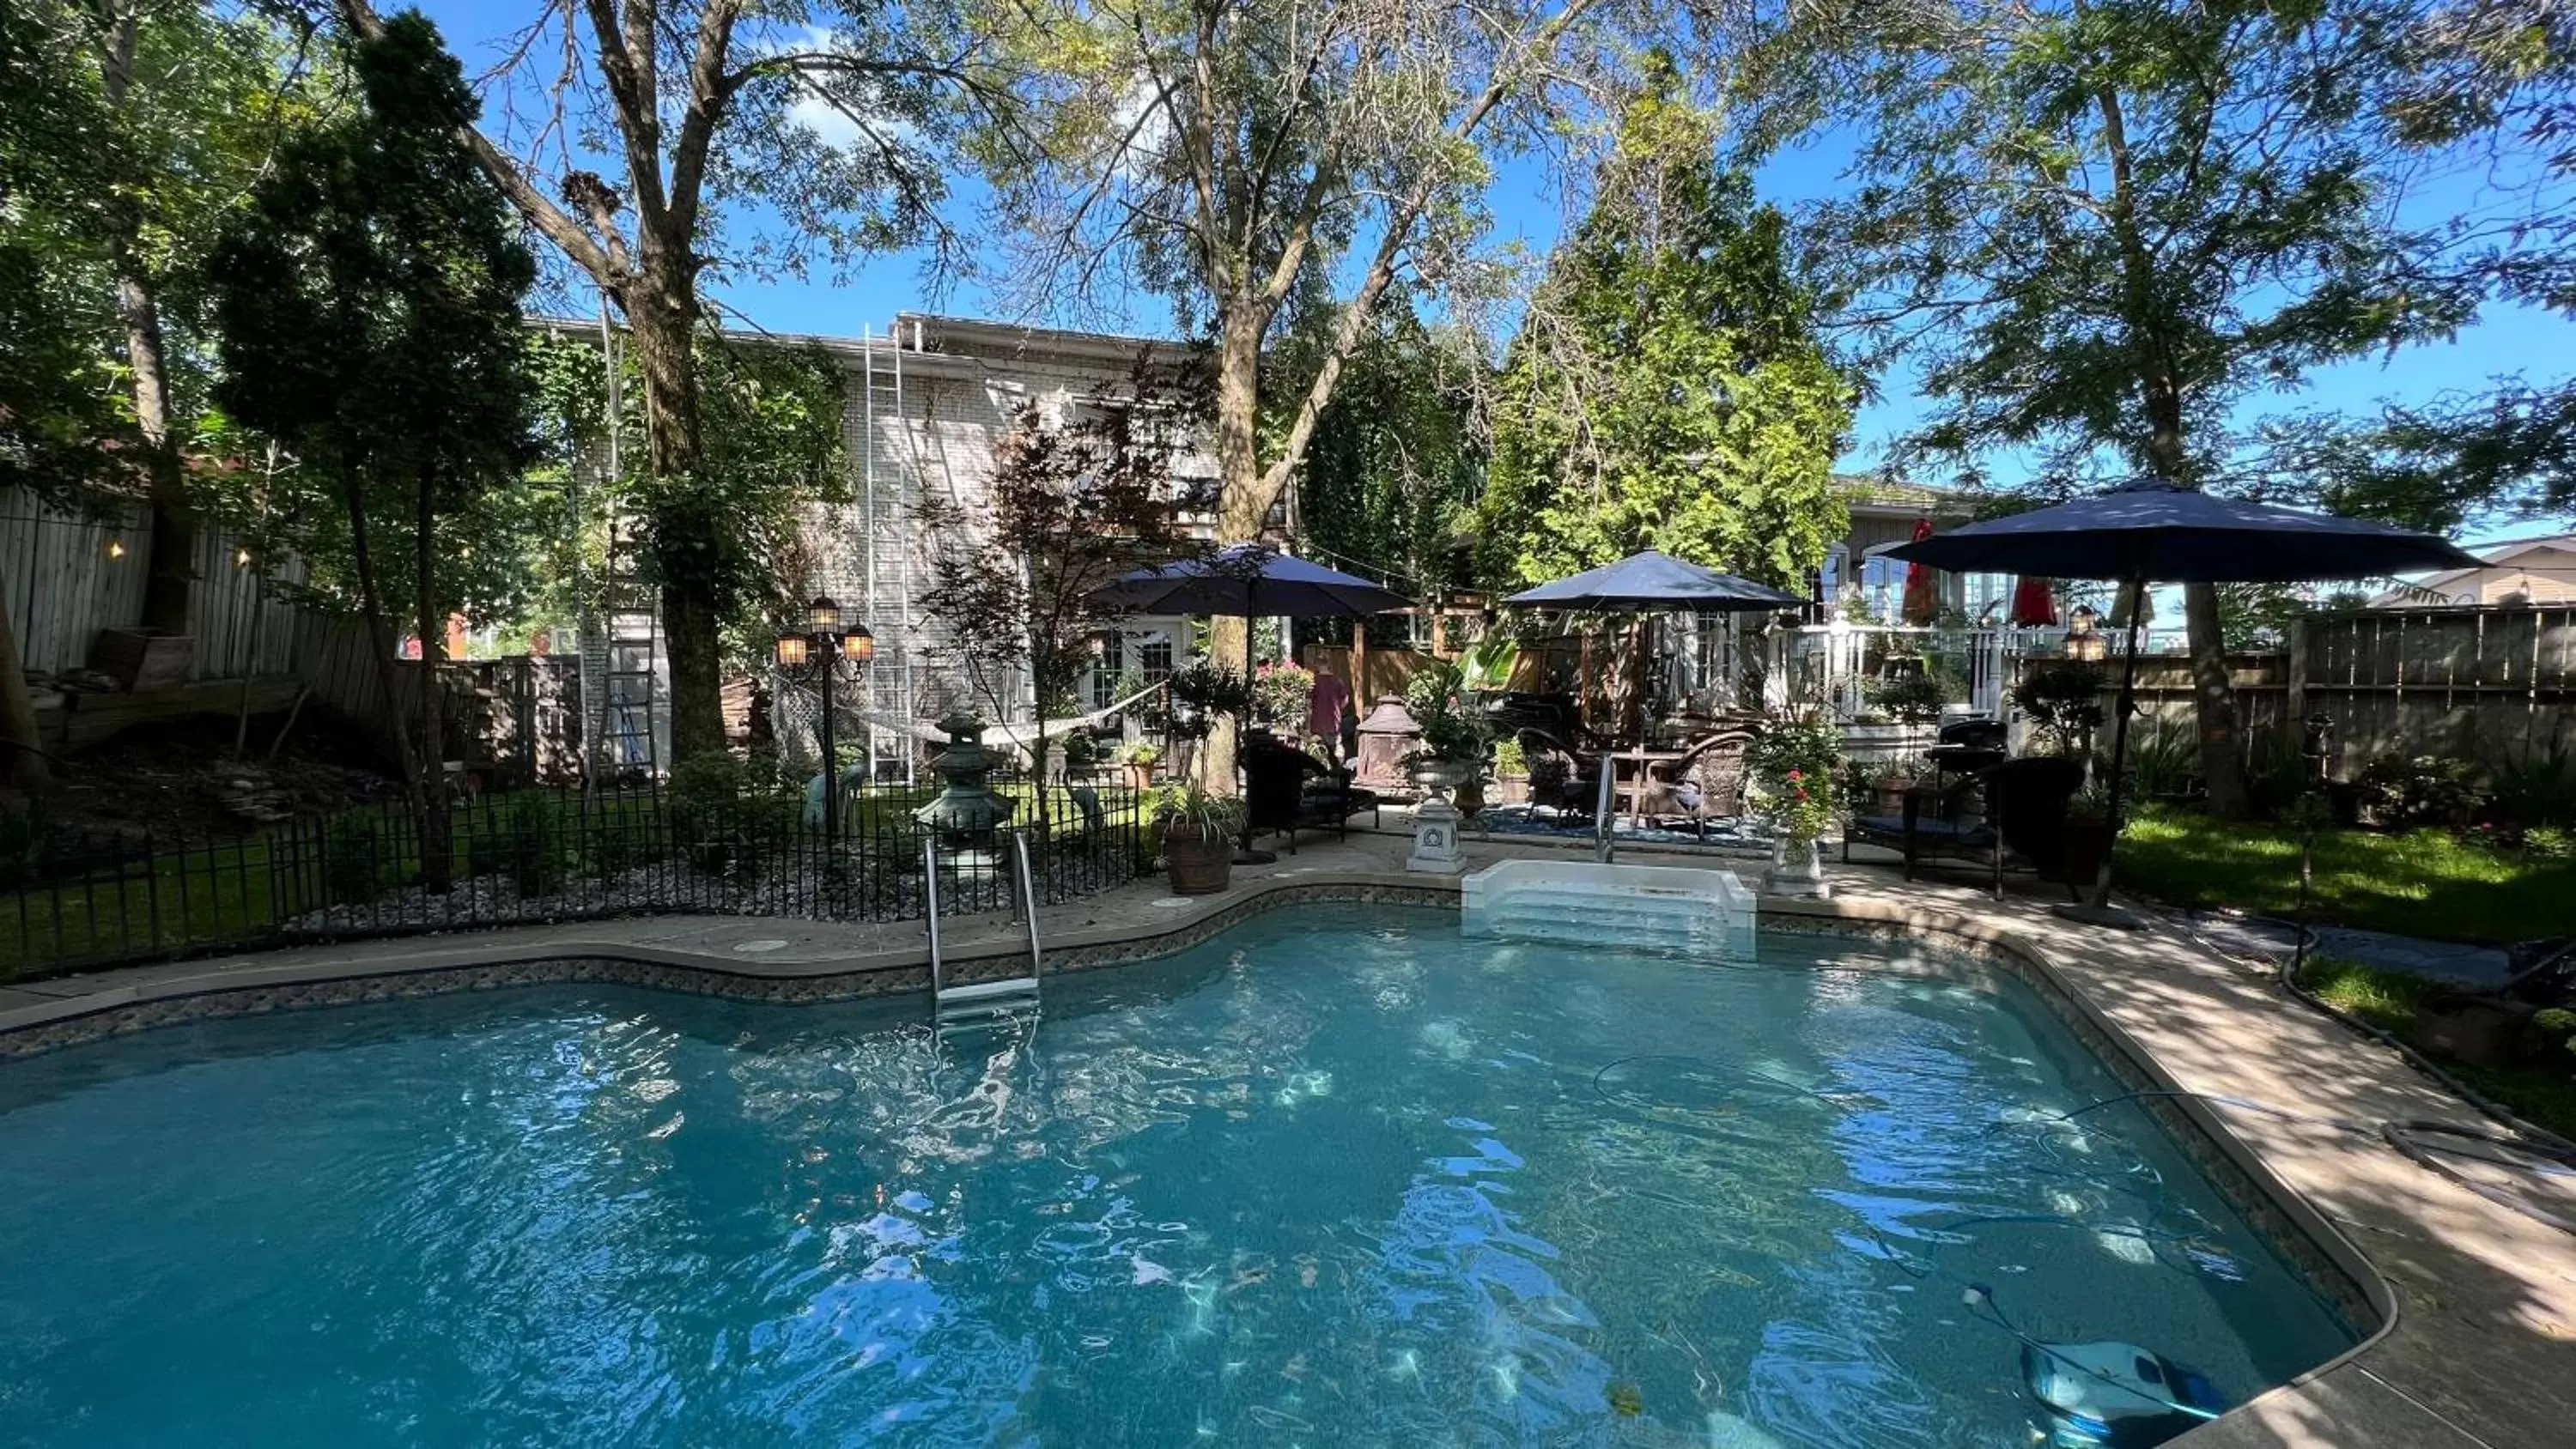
68 576
2496 685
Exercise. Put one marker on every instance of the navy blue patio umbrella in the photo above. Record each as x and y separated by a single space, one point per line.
2151 532
1247 581
1652 582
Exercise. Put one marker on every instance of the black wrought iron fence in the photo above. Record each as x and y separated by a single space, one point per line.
70 902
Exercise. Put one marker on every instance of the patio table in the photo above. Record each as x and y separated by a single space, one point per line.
1634 773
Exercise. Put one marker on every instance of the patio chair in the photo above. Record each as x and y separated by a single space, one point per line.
1707 783
1278 797
1562 778
2012 813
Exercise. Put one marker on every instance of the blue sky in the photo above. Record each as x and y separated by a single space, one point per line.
2505 340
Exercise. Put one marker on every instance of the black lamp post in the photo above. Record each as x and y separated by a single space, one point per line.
815 653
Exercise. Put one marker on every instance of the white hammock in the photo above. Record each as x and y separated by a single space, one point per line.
1020 737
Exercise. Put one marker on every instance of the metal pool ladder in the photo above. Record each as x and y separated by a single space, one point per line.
1605 807
952 1005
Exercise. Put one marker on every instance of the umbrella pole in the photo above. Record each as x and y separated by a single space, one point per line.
2099 911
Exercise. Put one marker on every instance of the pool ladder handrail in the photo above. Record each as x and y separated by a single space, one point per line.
1604 807
952 1004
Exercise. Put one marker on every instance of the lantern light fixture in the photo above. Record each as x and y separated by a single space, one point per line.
2085 644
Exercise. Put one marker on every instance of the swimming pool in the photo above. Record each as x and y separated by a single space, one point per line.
1335 1177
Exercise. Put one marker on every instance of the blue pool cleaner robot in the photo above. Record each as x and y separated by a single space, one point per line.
2103 1395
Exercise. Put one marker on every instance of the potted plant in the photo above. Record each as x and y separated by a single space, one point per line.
1456 736
1138 760
1198 836
1891 780
1790 771
2088 834
2063 700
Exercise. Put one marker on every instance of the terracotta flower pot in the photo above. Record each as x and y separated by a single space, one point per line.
1139 777
1198 863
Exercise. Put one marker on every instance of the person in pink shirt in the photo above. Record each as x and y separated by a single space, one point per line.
1325 709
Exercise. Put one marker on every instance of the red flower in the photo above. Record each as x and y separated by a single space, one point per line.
1797 775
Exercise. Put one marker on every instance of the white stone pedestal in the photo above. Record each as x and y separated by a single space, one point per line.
1797 869
1435 839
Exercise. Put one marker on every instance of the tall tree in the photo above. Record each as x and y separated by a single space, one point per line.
2103 224
194 97
696 105
1393 469
1256 160
1670 390
60 436
367 303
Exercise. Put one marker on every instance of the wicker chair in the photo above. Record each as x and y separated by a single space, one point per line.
1561 778
1707 783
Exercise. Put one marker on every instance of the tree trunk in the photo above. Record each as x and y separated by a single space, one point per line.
23 763
380 641
661 328
1239 519
2213 693
437 862
2222 760
138 308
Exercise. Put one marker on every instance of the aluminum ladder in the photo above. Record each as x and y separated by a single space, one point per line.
956 1005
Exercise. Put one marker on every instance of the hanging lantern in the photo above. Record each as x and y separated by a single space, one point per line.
859 646
793 651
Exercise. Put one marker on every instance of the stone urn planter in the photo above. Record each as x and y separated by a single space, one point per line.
1797 869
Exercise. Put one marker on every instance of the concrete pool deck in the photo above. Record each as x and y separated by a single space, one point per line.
2482 1350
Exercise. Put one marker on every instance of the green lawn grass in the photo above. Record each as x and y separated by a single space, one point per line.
2424 883
2542 1092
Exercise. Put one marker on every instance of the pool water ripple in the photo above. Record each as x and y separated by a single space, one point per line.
1335 1178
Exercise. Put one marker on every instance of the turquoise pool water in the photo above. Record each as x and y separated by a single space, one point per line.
1337 1178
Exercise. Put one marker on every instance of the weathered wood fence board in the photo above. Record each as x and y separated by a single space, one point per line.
2489 684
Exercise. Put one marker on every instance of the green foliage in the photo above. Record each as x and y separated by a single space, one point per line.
1184 807
1140 752
1280 693
367 305
2101 226
358 862
1670 391
1793 771
26 837
721 810
2062 697
1454 732
2408 791
1394 464
525 841
2538 789
1209 691
1913 696
730 533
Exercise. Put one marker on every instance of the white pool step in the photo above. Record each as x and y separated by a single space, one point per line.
1699 910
